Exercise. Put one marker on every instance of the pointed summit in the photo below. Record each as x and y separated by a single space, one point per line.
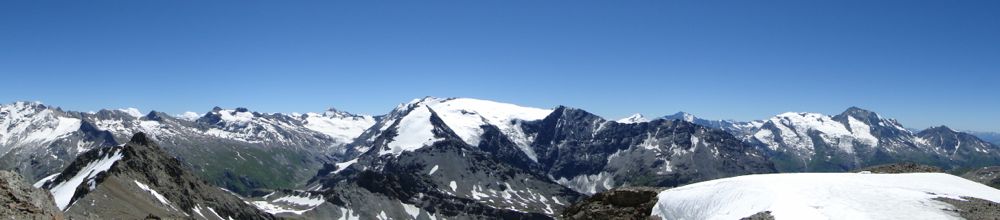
861 114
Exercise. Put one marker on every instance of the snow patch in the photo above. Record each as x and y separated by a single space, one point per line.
344 165
158 196
821 196
64 191
414 132
433 169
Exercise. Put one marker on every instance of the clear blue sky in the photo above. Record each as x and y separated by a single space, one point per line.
922 62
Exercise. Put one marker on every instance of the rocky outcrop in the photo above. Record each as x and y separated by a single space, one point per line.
906 167
21 201
138 180
622 203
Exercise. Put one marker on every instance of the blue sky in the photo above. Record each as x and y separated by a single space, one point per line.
922 62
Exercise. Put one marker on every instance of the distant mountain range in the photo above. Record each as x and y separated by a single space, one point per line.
456 157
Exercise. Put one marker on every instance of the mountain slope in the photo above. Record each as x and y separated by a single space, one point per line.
37 140
136 180
236 148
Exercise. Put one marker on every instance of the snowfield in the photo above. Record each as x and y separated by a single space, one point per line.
821 196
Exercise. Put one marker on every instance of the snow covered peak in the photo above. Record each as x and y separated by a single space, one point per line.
635 118
466 116
134 112
822 196
31 122
189 116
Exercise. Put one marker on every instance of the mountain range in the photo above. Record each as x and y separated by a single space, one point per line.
435 157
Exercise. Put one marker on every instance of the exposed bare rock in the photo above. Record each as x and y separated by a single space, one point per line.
974 208
21 201
621 203
905 167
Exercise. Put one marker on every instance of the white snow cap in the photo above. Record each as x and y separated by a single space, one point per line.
635 118
134 112
822 196
465 117
189 115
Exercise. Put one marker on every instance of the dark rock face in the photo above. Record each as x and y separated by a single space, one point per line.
628 203
907 167
21 201
989 176
590 154
765 215
126 190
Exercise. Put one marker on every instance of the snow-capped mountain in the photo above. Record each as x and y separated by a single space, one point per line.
37 140
590 154
433 153
828 196
853 139
449 156
139 180
235 148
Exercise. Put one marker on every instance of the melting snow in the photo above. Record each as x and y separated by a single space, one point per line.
415 131
821 196
344 165
433 169
155 194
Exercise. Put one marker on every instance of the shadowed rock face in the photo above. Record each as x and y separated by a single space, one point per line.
906 167
622 203
21 201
